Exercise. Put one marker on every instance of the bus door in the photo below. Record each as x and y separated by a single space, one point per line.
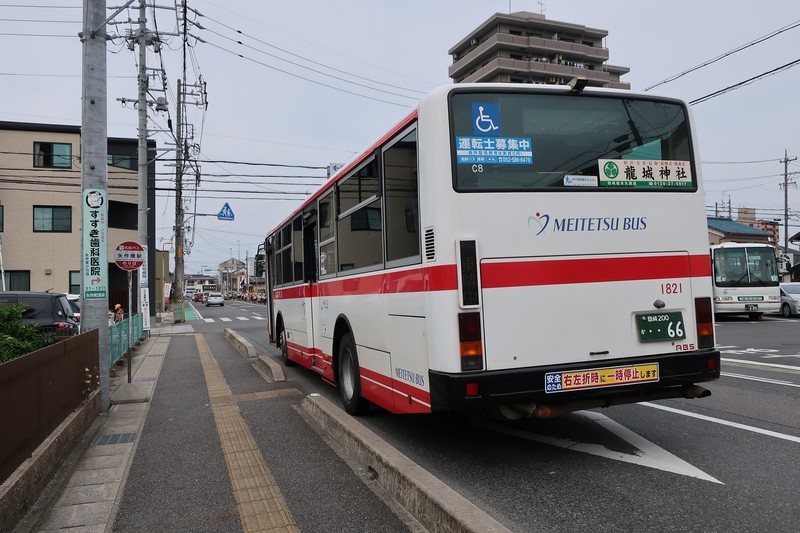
269 258
310 277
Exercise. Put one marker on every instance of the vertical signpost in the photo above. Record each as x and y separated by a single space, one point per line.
129 256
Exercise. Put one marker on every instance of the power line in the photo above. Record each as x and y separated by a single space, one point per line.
40 6
745 82
738 162
228 162
303 77
302 57
726 54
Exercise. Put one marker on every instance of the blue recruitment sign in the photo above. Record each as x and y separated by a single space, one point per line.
226 213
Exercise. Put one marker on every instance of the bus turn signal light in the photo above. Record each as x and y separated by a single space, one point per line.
470 342
704 320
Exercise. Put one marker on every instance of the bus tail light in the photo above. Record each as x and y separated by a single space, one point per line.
470 343
705 322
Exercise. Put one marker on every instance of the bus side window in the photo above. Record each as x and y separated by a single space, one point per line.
401 191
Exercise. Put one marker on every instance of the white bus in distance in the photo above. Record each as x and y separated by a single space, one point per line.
522 249
745 279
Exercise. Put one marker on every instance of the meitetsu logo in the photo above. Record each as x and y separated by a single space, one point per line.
540 221
585 224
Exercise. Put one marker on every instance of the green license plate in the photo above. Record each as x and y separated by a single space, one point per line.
655 327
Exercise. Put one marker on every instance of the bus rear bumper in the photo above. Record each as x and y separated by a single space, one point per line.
523 391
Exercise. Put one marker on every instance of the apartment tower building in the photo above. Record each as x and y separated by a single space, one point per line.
525 47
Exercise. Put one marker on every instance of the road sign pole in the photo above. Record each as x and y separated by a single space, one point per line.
130 322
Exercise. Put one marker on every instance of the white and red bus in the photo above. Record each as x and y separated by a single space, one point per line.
525 249
745 279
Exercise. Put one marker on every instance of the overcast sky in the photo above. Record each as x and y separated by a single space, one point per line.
287 104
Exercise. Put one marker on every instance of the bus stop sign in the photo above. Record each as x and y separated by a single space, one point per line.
129 255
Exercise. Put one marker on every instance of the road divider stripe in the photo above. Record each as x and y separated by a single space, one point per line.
753 429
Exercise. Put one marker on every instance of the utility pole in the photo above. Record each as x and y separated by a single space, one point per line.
785 162
142 157
179 265
94 186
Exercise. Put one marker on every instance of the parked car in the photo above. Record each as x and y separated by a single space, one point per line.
790 299
75 303
197 297
215 298
52 311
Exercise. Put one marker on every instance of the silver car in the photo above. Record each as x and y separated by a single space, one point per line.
215 298
790 299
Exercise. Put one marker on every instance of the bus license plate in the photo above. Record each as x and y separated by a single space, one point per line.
656 327
751 307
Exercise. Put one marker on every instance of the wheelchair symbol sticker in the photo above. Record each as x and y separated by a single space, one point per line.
486 119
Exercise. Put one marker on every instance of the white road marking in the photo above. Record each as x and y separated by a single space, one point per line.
647 454
763 380
209 319
242 318
724 422
756 363
225 319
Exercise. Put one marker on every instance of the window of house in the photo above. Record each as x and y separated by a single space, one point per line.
122 161
54 219
123 215
52 155
74 281
17 280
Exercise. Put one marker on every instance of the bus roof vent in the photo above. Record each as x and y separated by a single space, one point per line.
430 245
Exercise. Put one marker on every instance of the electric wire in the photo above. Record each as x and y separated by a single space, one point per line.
726 54
745 82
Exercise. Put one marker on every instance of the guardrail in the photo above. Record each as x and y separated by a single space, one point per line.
118 337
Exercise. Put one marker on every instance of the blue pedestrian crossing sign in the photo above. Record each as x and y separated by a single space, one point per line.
226 213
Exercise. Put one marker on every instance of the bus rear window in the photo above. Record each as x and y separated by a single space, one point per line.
503 141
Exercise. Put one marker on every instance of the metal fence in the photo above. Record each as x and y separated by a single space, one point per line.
118 337
38 391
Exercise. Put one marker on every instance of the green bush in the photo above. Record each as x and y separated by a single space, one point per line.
16 338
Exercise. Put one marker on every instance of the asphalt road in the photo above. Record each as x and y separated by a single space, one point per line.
730 462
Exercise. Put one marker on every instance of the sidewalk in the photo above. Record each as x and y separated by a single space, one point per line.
201 441
84 493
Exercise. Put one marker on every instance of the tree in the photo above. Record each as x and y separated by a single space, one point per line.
16 338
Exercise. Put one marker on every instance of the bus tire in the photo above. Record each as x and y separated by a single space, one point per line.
285 349
350 378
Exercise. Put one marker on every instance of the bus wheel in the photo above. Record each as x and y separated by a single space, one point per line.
755 316
350 378
285 349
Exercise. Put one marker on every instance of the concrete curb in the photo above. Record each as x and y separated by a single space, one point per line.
270 368
241 344
435 505
264 364
24 486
